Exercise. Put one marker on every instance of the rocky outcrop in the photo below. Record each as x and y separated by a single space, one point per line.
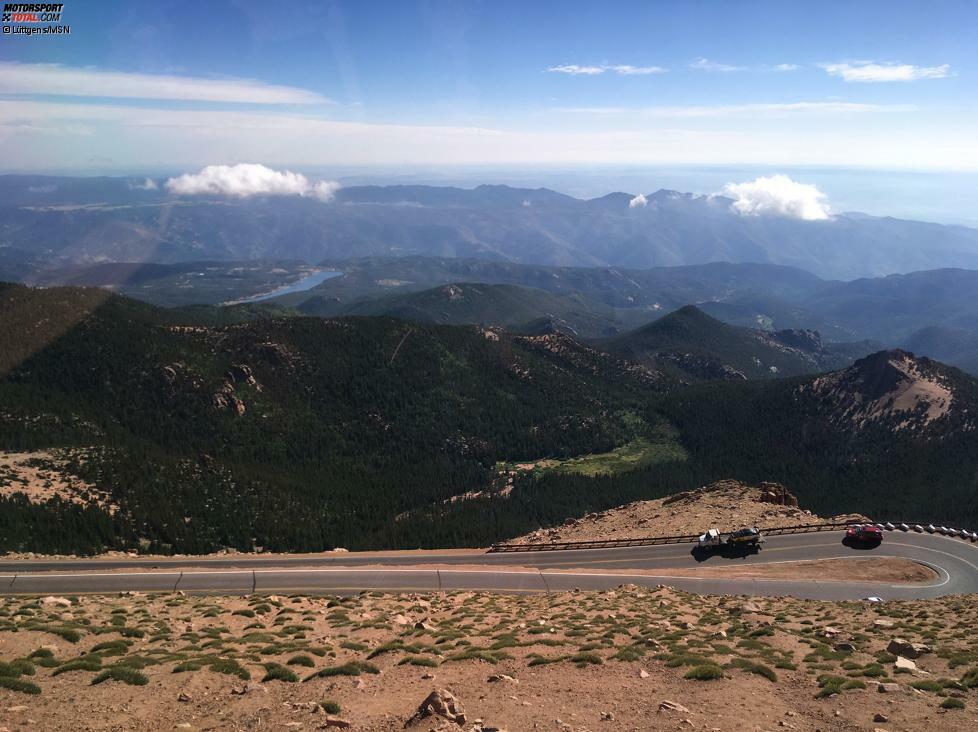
440 703
890 389
777 494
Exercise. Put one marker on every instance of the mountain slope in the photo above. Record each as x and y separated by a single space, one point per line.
289 432
691 344
502 305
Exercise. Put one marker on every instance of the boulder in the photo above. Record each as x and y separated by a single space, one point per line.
440 703
905 663
901 647
887 687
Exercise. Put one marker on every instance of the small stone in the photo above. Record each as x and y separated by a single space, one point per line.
502 677
607 717
880 718
887 688
184 697
672 706
643 674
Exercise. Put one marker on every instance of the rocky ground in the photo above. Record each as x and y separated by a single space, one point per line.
726 504
629 659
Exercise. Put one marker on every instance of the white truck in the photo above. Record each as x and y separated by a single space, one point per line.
749 538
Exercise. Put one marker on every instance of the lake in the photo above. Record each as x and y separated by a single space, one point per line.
306 283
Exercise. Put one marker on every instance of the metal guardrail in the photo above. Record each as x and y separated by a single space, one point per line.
690 538
655 540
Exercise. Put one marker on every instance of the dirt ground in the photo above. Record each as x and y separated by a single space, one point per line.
726 504
626 659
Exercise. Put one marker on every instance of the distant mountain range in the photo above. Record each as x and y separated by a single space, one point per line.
56 221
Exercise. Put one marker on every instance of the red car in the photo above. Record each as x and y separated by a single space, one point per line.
867 534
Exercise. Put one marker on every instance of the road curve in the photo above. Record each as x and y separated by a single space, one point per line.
954 560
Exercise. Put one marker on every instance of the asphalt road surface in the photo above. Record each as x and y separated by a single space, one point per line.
954 560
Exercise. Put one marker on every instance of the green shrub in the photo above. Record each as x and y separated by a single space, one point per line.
419 661
932 685
301 660
583 658
14 684
230 667
952 703
330 707
278 672
629 653
970 679
352 668
84 663
121 673
111 648
704 672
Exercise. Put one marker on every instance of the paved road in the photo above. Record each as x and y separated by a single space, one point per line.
955 560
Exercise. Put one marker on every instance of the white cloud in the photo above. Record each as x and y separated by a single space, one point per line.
778 195
627 70
638 202
576 70
621 69
146 185
870 72
745 110
249 179
58 80
786 67
703 64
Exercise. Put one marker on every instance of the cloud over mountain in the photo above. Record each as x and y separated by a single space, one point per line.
249 179
778 195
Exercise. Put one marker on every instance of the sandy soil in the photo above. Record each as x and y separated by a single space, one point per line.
725 504
614 658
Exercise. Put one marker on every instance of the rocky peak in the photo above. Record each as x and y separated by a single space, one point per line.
888 387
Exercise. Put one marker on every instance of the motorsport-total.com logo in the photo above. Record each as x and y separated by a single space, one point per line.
34 19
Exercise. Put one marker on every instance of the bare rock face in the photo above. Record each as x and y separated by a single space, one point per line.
777 494
440 703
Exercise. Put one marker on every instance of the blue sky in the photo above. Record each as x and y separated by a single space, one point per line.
140 85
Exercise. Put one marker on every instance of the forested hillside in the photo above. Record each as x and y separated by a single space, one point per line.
195 430
285 433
